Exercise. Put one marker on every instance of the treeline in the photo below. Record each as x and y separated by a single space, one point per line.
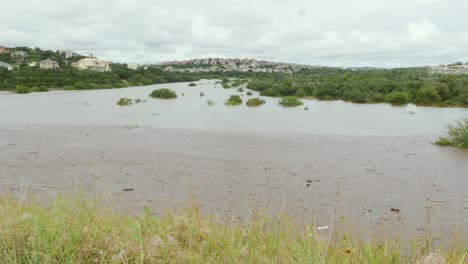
396 86
70 78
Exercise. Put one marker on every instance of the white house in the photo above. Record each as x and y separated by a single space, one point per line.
133 66
6 65
48 64
92 64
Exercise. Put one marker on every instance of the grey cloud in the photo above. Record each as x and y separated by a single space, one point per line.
334 32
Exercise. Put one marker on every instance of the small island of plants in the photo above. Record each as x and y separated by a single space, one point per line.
290 101
255 102
234 100
192 84
163 93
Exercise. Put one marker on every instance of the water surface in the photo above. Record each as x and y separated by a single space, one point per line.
191 111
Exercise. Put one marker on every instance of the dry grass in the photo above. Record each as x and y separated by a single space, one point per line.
74 229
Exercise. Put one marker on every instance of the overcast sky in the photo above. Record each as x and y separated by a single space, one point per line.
383 33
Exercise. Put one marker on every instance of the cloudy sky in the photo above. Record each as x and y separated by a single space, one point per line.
383 33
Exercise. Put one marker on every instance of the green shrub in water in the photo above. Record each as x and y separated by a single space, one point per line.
163 93
234 100
124 101
255 102
192 84
457 135
290 101
21 89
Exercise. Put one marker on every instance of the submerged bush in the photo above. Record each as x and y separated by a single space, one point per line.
290 101
240 90
192 84
163 93
124 101
249 93
210 102
457 135
255 102
234 100
21 89
226 85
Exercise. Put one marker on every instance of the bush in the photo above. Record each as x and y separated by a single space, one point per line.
21 89
163 93
255 102
234 100
290 101
240 90
124 101
397 98
226 85
249 93
192 84
457 135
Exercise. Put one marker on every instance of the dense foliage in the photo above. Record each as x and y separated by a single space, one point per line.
163 93
457 135
397 86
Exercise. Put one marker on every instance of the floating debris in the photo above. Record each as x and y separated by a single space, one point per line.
396 210
128 189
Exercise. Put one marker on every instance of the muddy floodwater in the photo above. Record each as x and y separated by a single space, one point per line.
192 111
336 158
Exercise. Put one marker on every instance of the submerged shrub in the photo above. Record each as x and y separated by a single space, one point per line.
255 102
192 84
210 102
290 101
249 93
234 100
457 135
124 101
226 85
163 93
240 90
21 89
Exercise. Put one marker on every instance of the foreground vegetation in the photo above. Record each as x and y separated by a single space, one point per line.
457 135
77 230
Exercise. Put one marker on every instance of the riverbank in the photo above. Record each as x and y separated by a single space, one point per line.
76 229
311 177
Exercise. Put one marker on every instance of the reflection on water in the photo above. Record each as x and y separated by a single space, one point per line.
191 111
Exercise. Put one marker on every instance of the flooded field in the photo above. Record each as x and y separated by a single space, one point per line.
191 111
374 164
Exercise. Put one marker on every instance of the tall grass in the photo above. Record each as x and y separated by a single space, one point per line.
76 230
457 135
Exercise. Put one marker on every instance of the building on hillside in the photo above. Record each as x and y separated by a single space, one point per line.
48 64
92 64
133 66
6 65
19 55
4 50
68 54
